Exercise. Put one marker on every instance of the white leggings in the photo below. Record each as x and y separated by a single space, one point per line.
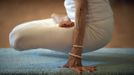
47 34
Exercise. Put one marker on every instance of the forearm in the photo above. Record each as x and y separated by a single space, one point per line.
74 60
79 30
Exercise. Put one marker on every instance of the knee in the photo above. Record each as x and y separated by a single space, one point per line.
14 40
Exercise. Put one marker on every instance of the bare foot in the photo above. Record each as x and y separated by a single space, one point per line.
81 69
84 69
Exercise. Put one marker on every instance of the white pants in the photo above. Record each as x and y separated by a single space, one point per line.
47 34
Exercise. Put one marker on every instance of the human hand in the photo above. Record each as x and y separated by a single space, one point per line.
63 21
66 22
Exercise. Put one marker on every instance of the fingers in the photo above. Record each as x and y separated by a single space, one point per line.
66 24
63 21
83 69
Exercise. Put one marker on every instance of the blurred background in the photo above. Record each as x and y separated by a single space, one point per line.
14 12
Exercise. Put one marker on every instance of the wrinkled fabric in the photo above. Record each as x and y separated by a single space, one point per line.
47 34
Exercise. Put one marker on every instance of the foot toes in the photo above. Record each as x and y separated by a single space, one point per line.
92 69
77 69
82 68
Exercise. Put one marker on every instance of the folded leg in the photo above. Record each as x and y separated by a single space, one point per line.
41 34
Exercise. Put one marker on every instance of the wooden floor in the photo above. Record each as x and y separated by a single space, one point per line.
13 12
